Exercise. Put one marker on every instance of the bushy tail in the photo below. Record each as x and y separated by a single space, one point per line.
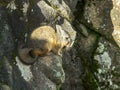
29 55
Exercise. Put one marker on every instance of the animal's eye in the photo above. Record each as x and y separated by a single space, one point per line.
67 38
64 47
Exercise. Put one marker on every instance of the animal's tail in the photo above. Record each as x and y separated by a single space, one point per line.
29 55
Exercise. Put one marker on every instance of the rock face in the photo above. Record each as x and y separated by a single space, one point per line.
115 19
51 66
90 63
107 56
18 18
98 25
97 16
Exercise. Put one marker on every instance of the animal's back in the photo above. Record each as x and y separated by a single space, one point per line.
43 38
43 33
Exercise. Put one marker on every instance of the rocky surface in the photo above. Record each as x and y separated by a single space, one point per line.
51 67
116 21
107 56
90 63
98 25
18 19
96 16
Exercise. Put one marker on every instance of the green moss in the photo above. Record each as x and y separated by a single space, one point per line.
89 79
2 3
89 82
59 87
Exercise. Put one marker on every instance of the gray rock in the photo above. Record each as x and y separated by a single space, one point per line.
41 82
6 72
61 8
73 71
48 11
5 87
87 44
72 4
96 16
91 63
6 38
107 56
51 66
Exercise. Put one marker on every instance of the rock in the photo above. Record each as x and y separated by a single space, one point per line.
10 74
48 11
96 47
18 18
78 64
5 87
90 63
73 71
107 56
41 82
51 66
96 16
61 8
71 4
6 72
87 44
6 38
115 20
25 70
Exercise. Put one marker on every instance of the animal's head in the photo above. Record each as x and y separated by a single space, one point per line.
64 37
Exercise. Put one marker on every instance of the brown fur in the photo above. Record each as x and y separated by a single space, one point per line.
42 40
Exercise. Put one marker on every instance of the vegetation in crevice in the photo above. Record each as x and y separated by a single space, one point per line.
90 66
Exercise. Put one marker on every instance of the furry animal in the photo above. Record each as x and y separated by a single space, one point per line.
41 41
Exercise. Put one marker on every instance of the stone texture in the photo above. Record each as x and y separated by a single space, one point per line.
51 66
115 15
6 38
48 12
98 56
107 56
71 4
5 87
41 82
92 61
96 16
18 18
73 71
61 8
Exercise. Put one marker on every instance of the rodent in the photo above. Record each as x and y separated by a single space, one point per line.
41 41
